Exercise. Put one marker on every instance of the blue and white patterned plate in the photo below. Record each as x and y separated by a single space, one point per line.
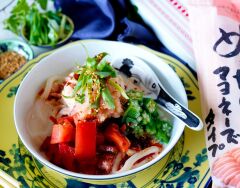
185 166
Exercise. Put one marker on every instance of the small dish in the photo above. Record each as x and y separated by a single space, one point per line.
18 47
61 42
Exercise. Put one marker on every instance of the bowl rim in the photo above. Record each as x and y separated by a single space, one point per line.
24 44
89 176
70 21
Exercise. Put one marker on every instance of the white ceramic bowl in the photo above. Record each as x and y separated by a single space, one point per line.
63 61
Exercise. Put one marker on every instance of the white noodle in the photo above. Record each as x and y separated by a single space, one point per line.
42 110
117 161
64 111
145 161
48 86
131 152
38 125
139 155
71 81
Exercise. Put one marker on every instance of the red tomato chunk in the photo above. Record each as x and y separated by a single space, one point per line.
61 133
85 141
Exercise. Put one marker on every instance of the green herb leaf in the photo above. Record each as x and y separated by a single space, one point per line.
104 54
150 105
67 97
136 95
77 87
96 103
22 6
133 110
100 57
107 97
104 74
92 79
17 17
53 31
131 121
104 66
62 27
132 113
91 62
80 98
118 88
43 3
101 65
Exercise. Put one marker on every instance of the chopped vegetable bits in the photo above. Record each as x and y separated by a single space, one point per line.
143 119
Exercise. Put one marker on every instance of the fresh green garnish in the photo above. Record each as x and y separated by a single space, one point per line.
119 88
93 79
43 3
150 105
132 113
107 97
136 95
80 98
16 20
39 27
142 117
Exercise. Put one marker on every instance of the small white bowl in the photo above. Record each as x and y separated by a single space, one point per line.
63 61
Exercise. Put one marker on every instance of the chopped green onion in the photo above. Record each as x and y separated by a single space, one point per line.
142 118
131 112
162 137
131 121
100 57
77 87
107 97
104 66
68 97
104 74
80 98
62 26
91 62
145 117
138 131
149 104
133 94
96 103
